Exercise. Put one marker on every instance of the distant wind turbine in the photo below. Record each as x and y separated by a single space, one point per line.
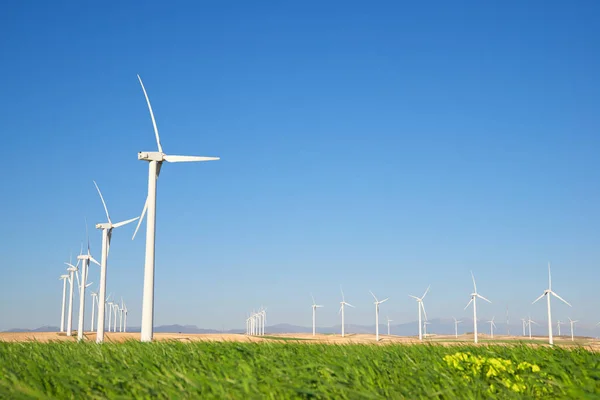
547 293
425 327
85 265
473 300
155 160
94 303
343 304
421 307
529 322
107 228
388 324
492 326
72 269
314 314
377 303
524 325
456 322
572 323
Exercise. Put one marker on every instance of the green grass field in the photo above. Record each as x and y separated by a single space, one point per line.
282 370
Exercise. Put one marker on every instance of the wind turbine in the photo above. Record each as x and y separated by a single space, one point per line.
492 326
524 325
425 323
155 160
572 323
72 269
115 314
107 228
124 317
388 323
110 309
263 317
314 314
62 310
473 300
456 322
94 302
558 324
420 306
529 322
85 265
547 293
121 316
377 303
343 303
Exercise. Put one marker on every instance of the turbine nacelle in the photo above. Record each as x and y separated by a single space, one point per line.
151 156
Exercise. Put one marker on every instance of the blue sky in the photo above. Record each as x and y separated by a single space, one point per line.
383 147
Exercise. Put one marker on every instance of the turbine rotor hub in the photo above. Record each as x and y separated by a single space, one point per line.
151 156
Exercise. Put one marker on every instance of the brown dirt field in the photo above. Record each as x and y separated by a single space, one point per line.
445 340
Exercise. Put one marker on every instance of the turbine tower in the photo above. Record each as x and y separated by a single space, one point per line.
473 300
547 293
343 304
85 265
314 314
72 269
388 324
524 325
155 160
529 322
94 302
421 307
107 228
558 324
64 298
377 303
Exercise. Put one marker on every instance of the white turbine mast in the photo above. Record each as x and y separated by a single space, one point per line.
85 265
342 307
421 308
377 303
547 293
155 160
107 228
529 322
72 269
558 324
314 314
473 300
388 324
94 303
64 298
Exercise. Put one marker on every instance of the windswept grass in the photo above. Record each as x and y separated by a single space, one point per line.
275 370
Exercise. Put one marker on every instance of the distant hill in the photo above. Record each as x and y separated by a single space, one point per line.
438 326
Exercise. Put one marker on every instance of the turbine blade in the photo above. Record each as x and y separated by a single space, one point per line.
474 284
469 303
373 295
92 259
103 203
141 218
425 294
89 284
483 298
348 304
423 308
383 301
189 158
543 294
151 115
313 299
340 310
414 297
119 224
561 299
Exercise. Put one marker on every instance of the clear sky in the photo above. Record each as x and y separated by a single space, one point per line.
383 146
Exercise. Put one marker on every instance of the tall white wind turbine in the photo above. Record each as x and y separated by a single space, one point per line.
524 325
473 300
314 314
492 326
124 317
107 228
155 160
421 307
547 293
343 304
456 322
377 303
64 298
572 330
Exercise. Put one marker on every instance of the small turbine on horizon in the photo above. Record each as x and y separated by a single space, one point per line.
421 307
492 326
343 304
314 314
377 303
572 329
456 322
